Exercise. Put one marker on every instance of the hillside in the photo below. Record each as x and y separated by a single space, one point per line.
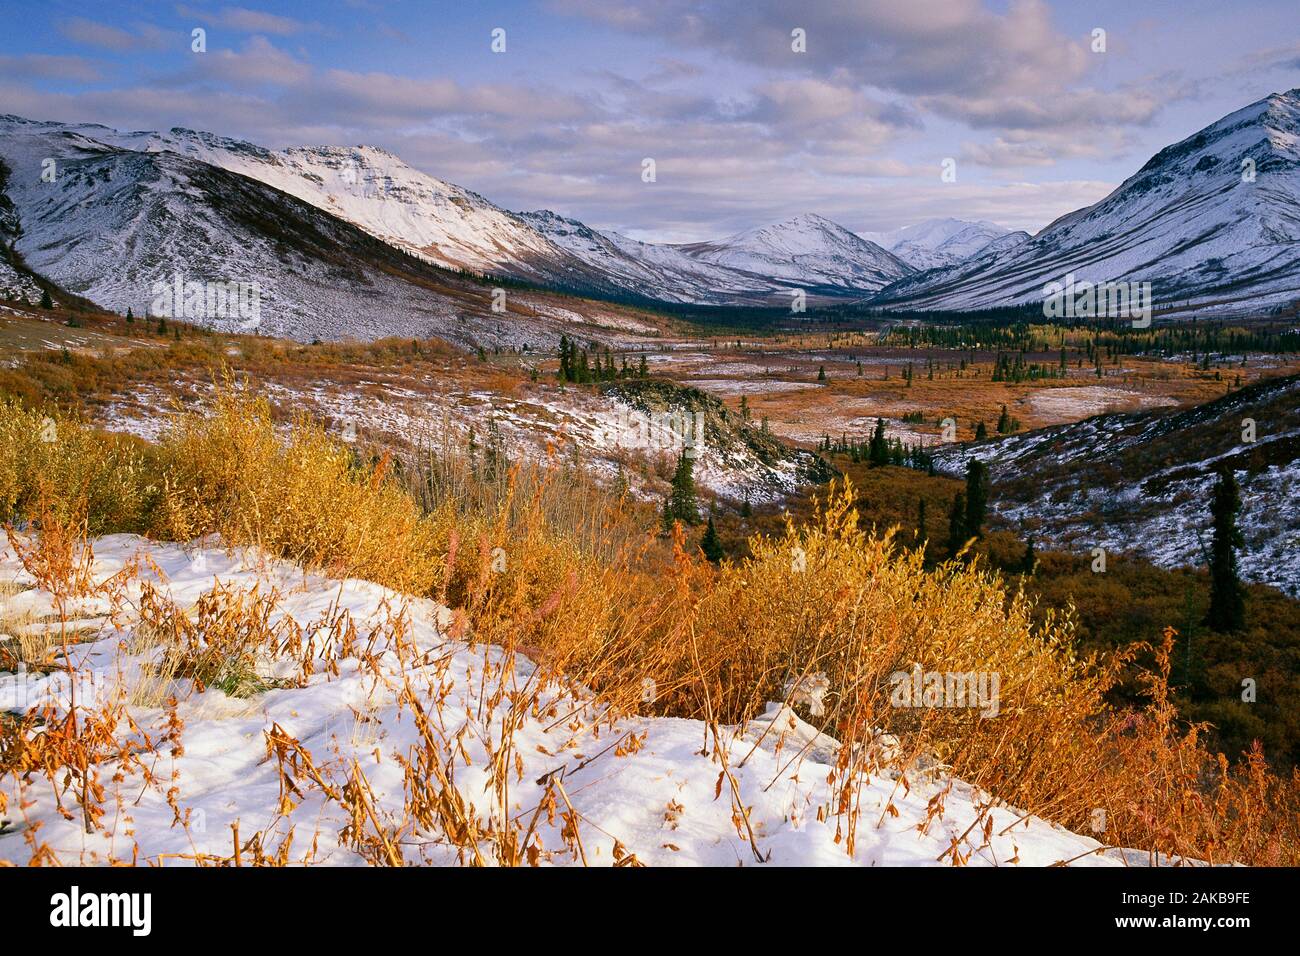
1141 481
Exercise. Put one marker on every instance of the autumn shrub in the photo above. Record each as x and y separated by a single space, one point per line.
298 495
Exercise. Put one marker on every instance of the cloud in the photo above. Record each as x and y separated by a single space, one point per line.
922 46
90 33
257 62
1000 72
244 20
36 65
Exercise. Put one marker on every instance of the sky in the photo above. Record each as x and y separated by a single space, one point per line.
1030 109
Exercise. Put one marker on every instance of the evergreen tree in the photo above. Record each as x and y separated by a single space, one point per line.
46 301
1227 600
920 520
981 431
1004 422
681 504
566 359
878 450
710 543
1030 560
957 536
130 317
821 373
666 519
642 370
977 498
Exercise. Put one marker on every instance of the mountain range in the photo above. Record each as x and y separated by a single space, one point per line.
342 239
126 175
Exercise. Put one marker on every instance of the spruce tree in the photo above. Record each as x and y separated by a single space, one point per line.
46 301
957 536
681 498
878 450
566 359
710 543
977 497
1227 601
666 518
1030 560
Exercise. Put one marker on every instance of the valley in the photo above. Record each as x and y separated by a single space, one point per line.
602 467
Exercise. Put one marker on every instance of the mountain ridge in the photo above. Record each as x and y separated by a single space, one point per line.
1214 216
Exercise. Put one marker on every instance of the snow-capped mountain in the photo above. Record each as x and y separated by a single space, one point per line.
807 250
373 189
938 242
115 225
1211 220
663 271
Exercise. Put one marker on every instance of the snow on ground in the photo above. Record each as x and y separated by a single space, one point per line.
735 386
639 782
425 412
1163 516
1082 401
17 286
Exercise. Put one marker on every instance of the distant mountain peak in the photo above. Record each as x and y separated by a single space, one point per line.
933 243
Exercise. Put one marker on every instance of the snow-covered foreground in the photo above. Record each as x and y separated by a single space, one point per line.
652 787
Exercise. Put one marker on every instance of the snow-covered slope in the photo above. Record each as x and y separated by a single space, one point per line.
368 716
938 242
373 189
808 250
116 221
1001 244
1141 481
1212 219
